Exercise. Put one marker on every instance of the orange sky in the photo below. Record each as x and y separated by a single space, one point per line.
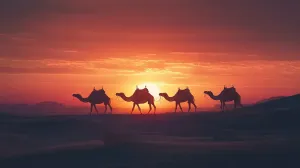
51 49
58 80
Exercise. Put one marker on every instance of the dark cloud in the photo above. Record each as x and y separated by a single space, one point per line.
266 27
185 13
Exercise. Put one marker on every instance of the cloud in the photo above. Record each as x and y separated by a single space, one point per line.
244 30
239 73
112 66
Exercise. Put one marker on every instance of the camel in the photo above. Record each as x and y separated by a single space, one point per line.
181 96
140 96
96 97
227 95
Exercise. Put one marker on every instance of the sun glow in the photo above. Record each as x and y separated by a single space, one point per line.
153 88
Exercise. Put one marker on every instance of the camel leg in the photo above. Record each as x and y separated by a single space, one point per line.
221 103
139 108
189 103
194 105
238 103
105 108
176 107
91 109
224 106
180 107
133 108
150 108
241 104
154 107
96 108
110 108
108 103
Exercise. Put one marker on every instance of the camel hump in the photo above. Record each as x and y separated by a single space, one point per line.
229 90
146 90
183 94
183 91
97 94
140 94
141 90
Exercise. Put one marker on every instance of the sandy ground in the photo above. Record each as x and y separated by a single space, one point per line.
231 139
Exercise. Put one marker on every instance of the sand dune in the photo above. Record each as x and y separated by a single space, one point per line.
241 138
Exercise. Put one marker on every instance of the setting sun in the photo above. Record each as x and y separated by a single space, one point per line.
153 89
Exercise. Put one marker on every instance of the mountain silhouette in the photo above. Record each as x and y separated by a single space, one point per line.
38 108
269 99
48 106
49 103
289 102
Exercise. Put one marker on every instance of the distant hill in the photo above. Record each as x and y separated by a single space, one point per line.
38 108
49 103
229 106
286 102
48 106
270 99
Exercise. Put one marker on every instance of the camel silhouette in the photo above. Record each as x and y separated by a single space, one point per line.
96 97
140 96
181 96
227 95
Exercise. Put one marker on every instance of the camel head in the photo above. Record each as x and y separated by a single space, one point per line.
77 95
163 94
120 94
208 92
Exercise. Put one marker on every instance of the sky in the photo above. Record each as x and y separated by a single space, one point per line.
51 49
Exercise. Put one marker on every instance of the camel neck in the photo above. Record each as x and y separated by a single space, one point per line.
125 98
214 97
167 97
85 100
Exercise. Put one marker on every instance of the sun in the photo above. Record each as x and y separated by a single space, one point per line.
153 89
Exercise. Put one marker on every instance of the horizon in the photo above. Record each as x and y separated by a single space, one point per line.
157 101
66 109
52 49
